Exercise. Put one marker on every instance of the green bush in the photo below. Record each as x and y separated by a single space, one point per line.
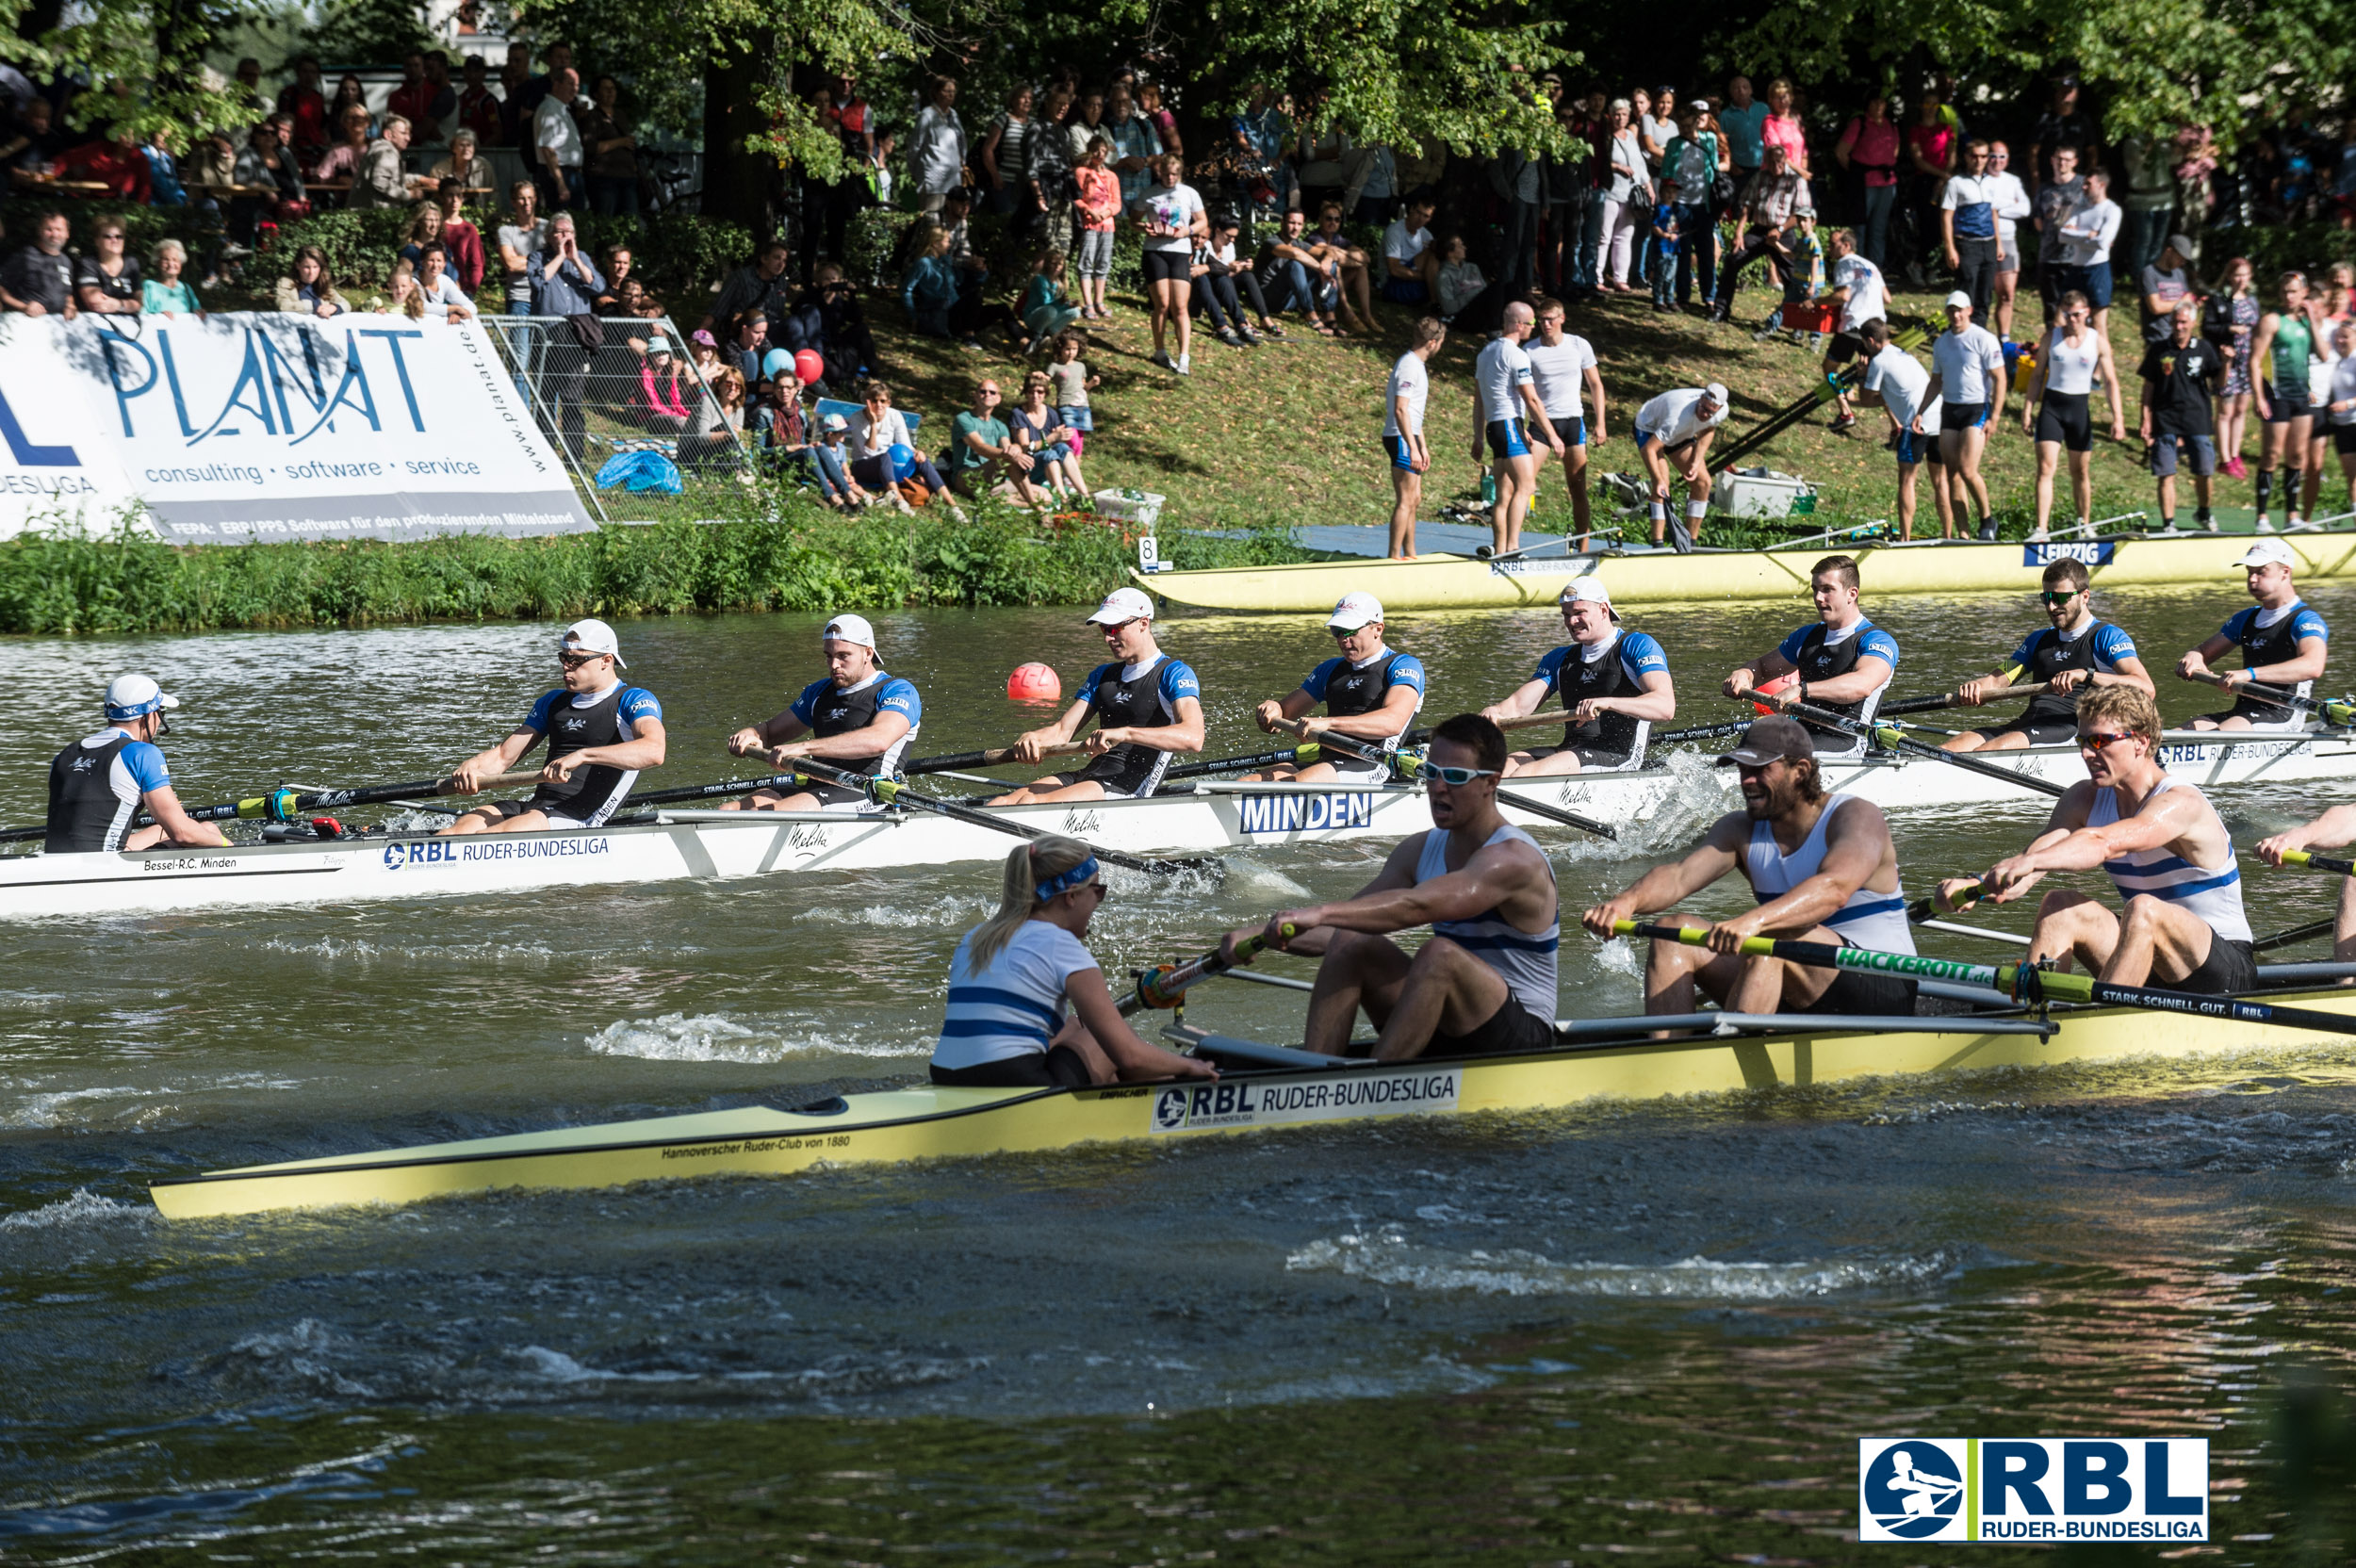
360 247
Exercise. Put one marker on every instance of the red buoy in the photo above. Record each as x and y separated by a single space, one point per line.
1771 688
1033 683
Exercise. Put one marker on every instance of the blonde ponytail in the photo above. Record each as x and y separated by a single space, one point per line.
1027 865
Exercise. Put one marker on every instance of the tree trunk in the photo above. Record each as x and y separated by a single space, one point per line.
736 182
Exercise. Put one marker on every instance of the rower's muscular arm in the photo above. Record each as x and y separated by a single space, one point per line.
1133 1057
1283 709
1033 744
1396 712
2197 661
1503 876
1655 700
2175 815
1855 846
642 751
871 741
1975 692
1871 673
2314 653
1760 671
775 730
163 804
2334 830
2006 880
468 775
1524 702
1184 735
1666 887
1398 871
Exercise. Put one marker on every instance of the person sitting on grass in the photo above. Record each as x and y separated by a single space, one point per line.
876 429
830 459
1351 269
1046 309
658 403
1411 263
982 448
929 291
1215 276
1046 437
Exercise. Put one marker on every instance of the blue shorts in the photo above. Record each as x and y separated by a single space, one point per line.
1652 438
1403 455
1913 448
1508 438
2199 450
1076 416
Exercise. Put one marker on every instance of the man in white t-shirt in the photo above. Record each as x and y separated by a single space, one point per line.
1411 263
2090 233
1899 384
1674 432
2011 199
1564 368
1506 417
1968 374
1402 432
1862 293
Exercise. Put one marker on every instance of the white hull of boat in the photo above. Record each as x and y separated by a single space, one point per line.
713 845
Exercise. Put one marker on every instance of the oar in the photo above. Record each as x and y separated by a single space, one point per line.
1892 735
2025 983
287 804
1163 986
1505 797
2295 936
1705 731
1303 755
2306 861
885 792
1955 699
2340 712
995 757
781 781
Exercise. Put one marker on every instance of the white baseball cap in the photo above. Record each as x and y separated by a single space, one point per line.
1122 604
1588 590
591 637
130 696
1716 391
1355 611
1958 298
2267 552
851 629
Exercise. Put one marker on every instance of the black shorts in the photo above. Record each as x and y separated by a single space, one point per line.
1512 1027
554 809
1571 430
2286 403
1060 1067
1844 348
1168 266
2344 439
1867 995
2229 967
2041 733
825 793
1590 759
2254 710
2066 418
1126 772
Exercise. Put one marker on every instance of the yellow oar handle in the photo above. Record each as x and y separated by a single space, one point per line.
2297 858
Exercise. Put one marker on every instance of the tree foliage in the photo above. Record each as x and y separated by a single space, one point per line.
146 58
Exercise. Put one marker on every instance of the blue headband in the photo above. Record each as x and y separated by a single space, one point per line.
1078 875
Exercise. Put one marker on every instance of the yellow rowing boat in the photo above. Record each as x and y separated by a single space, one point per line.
1263 1090
1926 566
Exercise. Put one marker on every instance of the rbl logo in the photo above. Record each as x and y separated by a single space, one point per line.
2038 1490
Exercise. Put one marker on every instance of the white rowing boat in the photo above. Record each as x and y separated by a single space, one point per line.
706 845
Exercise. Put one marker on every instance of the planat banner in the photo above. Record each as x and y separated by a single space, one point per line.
226 430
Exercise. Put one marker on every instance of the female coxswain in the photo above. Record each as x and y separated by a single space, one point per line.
1007 1026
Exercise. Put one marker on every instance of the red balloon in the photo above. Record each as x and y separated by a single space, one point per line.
807 366
1033 683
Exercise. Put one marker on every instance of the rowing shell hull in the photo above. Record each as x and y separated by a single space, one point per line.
715 846
930 1123
1462 582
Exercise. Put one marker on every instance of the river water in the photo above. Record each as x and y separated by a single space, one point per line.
1648 1330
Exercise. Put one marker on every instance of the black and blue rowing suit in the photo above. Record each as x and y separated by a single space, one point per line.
2093 645
2271 637
1139 696
575 722
1576 671
1819 653
1348 689
832 709
95 786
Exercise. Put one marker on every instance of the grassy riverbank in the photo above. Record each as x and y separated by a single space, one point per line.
800 559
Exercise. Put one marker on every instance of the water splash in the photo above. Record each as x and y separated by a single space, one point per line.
716 1037
84 1208
1389 1259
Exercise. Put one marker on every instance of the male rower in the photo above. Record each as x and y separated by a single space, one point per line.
600 734
2283 643
1371 694
1844 663
1147 706
1613 686
1823 868
1563 367
1673 432
858 718
2334 830
1485 982
2076 653
2166 853
101 782
1507 415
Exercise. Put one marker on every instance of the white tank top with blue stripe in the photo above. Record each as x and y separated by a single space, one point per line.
2212 896
1524 960
1014 1007
1870 918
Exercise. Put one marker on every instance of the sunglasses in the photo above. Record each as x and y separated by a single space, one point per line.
1455 778
2098 741
2052 598
574 660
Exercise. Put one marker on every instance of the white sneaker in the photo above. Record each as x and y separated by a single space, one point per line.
2035 534
2263 526
1185 365
2298 525
2211 525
